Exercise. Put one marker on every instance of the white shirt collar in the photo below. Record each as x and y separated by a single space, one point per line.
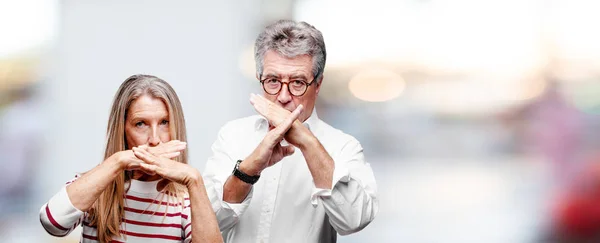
143 186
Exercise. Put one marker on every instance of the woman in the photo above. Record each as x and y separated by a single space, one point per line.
144 190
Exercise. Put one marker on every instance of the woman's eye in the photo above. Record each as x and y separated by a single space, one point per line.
139 124
164 122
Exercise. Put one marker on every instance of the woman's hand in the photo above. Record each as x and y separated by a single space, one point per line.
128 161
167 168
168 150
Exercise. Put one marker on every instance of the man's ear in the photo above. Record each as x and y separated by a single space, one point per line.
320 81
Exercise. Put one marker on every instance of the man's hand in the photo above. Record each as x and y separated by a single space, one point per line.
270 151
275 115
319 162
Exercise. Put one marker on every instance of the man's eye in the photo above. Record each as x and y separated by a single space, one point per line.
297 83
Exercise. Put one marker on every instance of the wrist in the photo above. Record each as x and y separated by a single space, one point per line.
304 138
117 160
248 167
195 179
238 173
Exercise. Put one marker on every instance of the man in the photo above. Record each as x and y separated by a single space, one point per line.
305 188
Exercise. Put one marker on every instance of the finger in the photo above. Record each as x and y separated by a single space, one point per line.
287 123
153 150
276 155
262 104
181 146
168 147
148 168
257 98
174 143
273 112
144 147
287 150
171 149
176 146
170 155
134 164
276 135
252 99
261 98
259 105
267 103
144 155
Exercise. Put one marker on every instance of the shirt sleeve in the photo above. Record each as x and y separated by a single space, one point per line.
58 216
186 221
351 203
218 169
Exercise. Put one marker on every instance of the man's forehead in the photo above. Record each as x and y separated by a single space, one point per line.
278 65
276 74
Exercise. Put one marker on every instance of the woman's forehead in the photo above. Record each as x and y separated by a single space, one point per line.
148 106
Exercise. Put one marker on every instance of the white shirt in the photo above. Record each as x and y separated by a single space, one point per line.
150 216
284 205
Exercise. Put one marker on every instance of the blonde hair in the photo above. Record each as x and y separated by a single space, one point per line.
108 210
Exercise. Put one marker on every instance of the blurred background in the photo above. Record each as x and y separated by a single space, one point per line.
480 118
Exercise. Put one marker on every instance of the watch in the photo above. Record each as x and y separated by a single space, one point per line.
243 176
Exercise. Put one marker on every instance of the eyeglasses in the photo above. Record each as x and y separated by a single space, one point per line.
296 87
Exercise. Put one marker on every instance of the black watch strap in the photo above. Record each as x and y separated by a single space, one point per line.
243 176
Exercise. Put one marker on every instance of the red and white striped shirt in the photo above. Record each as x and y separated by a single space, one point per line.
145 220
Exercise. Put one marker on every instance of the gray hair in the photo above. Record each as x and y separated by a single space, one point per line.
291 39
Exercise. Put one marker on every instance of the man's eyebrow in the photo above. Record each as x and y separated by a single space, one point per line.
298 76
270 75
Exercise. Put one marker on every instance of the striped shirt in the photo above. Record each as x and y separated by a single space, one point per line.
145 219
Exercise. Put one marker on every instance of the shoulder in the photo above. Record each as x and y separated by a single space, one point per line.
331 135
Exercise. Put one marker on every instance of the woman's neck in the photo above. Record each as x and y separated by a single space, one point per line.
141 176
